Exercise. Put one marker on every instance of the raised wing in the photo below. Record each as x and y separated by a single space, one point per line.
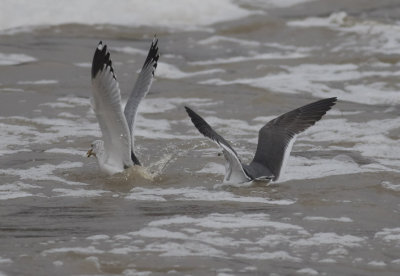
108 109
234 170
141 88
277 136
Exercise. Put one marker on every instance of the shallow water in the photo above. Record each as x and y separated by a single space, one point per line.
335 211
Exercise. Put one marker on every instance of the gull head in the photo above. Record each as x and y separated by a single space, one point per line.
95 148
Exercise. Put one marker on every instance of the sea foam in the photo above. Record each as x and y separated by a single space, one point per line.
181 14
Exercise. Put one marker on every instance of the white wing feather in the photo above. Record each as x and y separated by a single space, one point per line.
108 110
142 87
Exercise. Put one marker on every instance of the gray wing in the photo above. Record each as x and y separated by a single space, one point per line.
141 88
235 167
277 136
108 109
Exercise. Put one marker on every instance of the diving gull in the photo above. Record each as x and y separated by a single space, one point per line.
116 151
275 141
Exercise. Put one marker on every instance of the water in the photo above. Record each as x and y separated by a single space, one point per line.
335 211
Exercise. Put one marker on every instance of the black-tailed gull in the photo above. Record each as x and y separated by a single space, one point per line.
275 141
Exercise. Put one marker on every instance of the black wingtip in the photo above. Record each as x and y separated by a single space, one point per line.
196 119
204 128
198 122
188 109
135 160
333 100
328 102
153 55
101 60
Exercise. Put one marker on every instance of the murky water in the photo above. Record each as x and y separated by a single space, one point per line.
335 210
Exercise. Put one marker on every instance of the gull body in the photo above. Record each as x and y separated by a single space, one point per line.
115 152
275 141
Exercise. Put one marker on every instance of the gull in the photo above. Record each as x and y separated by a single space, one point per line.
275 141
116 151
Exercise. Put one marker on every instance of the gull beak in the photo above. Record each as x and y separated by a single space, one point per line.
90 153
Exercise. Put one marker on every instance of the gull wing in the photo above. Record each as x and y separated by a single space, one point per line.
108 109
235 169
140 90
276 138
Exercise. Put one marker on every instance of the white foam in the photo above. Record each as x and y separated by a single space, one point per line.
58 263
235 221
182 14
68 115
396 261
341 219
98 237
77 101
169 71
134 272
153 232
381 37
338 251
71 151
130 50
198 193
370 138
11 89
5 261
204 236
78 192
323 239
15 190
307 271
335 19
15 59
390 235
254 56
14 135
328 261
304 168
57 105
83 64
377 264
77 250
213 168
277 255
274 3
161 105
45 172
316 80
173 249
19 133
38 82
121 237
390 186
124 250
217 38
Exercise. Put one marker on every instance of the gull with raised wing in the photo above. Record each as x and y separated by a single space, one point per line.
275 141
116 151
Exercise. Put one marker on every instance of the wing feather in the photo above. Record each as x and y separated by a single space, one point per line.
235 169
140 89
108 109
275 137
